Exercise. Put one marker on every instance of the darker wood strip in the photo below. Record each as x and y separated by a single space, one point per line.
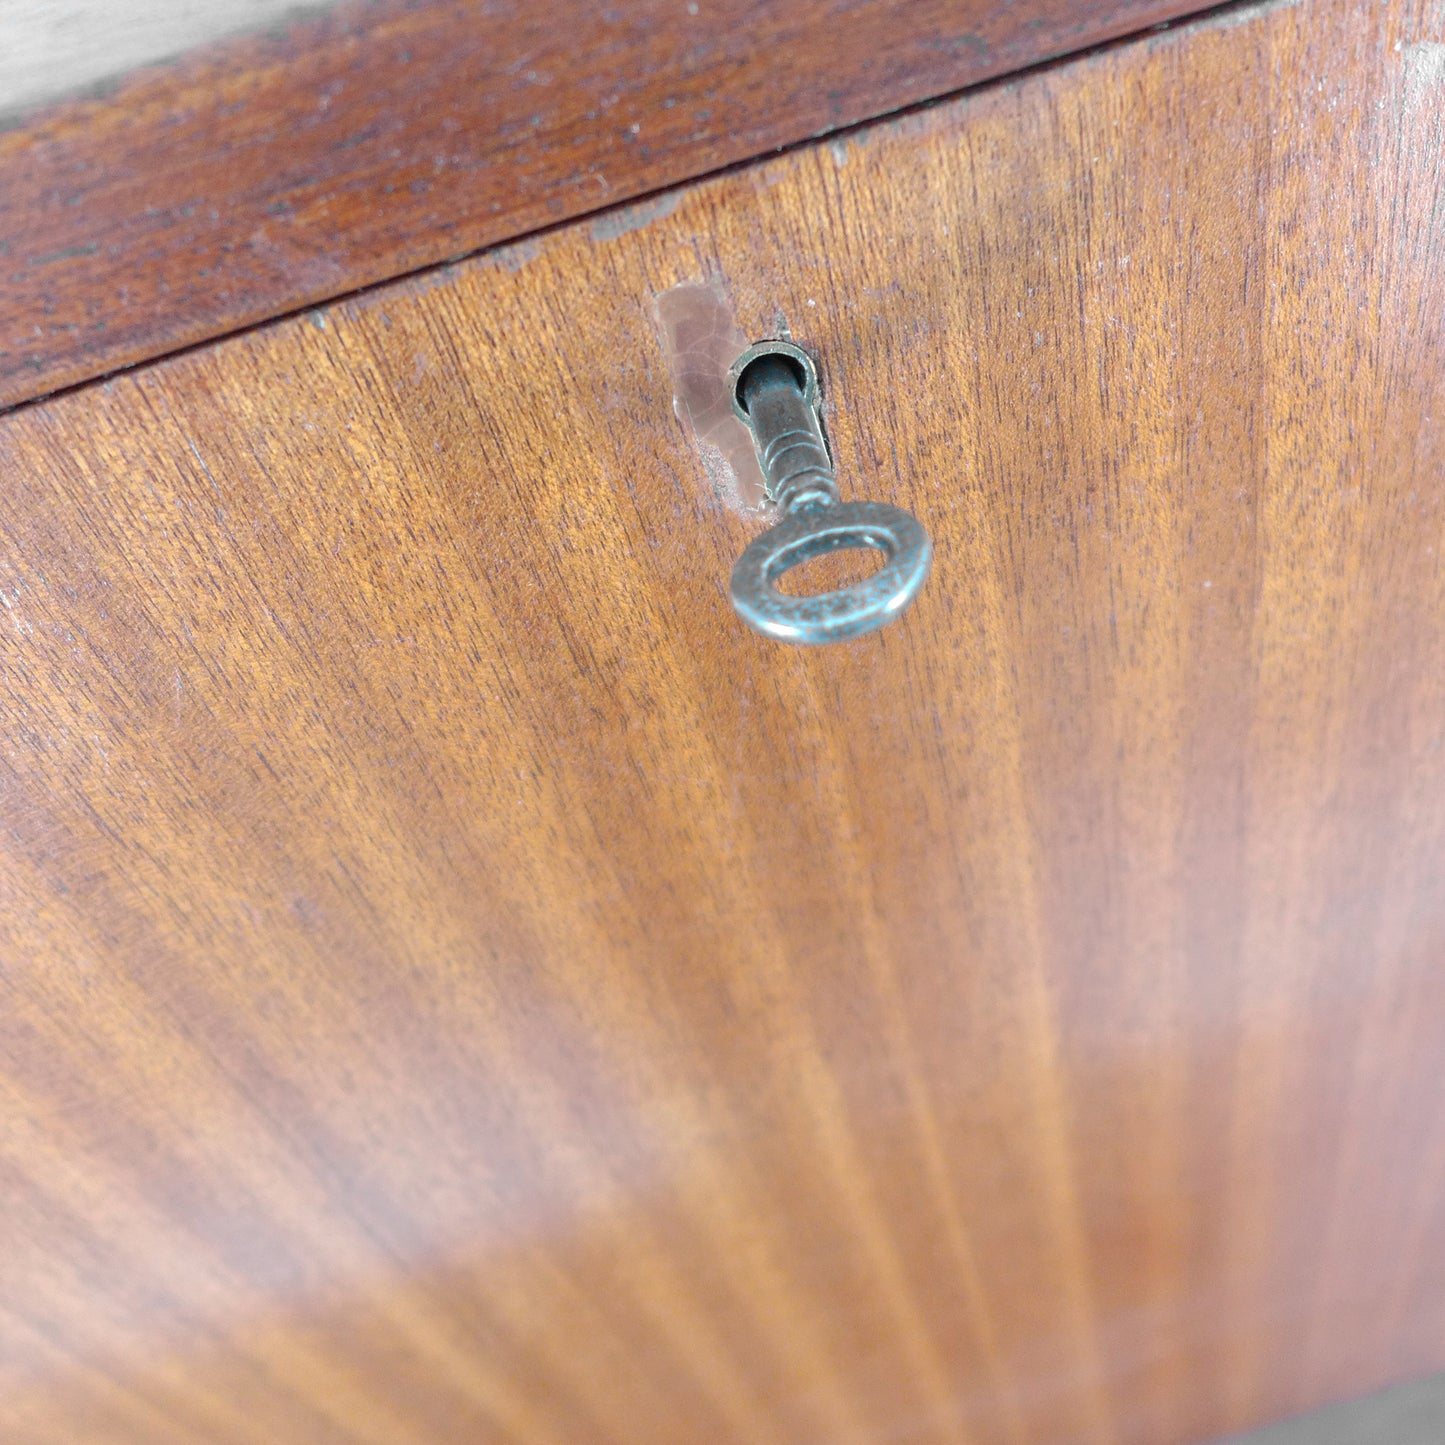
279 170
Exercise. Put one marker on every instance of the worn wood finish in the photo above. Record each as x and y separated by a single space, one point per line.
278 171
460 985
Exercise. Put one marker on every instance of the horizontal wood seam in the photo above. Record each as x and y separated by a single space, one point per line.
638 201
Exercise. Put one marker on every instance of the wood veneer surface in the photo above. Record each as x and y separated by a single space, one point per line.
459 984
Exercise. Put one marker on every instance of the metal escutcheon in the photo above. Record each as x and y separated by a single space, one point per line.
775 392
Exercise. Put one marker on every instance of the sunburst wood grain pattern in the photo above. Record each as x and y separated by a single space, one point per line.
460 985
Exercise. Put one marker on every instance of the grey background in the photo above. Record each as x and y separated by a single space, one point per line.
51 48
1405 1415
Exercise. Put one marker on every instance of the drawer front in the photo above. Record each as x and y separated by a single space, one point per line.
459 984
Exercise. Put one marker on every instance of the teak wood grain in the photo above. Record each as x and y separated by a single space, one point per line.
458 984
276 171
